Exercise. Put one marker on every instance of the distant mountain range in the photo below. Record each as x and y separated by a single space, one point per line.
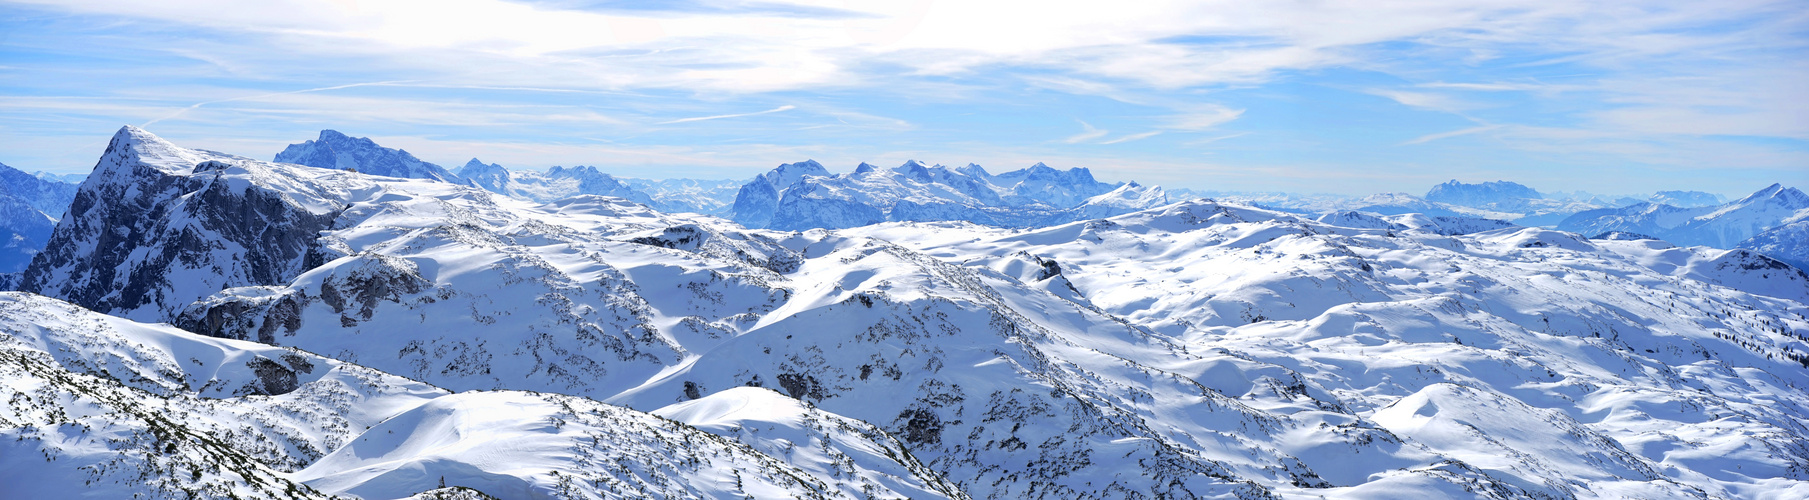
29 208
1771 221
805 195
334 150
670 195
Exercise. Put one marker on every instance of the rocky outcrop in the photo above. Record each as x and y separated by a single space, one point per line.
156 227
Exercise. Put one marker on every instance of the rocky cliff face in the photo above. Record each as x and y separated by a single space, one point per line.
156 227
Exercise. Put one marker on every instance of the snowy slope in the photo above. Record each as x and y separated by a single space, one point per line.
1194 349
337 151
1719 226
107 408
110 408
1788 242
527 445
969 368
1653 365
1740 219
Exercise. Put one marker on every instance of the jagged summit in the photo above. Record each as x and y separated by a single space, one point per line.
1501 194
975 170
490 176
805 195
1727 225
334 150
1778 194
787 174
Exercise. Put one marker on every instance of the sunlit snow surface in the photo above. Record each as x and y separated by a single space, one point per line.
1199 348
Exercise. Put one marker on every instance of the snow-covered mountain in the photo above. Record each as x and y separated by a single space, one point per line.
156 226
1501 195
48 196
29 208
1719 226
805 195
710 197
1686 199
63 178
1195 349
1788 242
555 183
336 151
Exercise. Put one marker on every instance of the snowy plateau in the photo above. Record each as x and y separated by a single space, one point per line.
352 322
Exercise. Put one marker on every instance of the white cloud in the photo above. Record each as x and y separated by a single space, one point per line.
1446 135
1088 135
1134 137
1424 100
1142 42
787 107
1201 117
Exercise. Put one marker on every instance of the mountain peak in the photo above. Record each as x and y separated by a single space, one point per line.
492 175
1492 193
138 139
865 167
132 145
787 174
337 151
1788 196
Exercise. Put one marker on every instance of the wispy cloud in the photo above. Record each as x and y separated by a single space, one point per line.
198 105
1202 117
787 107
1089 134
1446 135
1134 137
1423 100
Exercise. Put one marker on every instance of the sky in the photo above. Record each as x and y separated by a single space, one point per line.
1311 96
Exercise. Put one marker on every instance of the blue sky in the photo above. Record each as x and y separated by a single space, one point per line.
1612 97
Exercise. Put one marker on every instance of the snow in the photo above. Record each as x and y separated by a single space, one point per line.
1720 226
598 347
